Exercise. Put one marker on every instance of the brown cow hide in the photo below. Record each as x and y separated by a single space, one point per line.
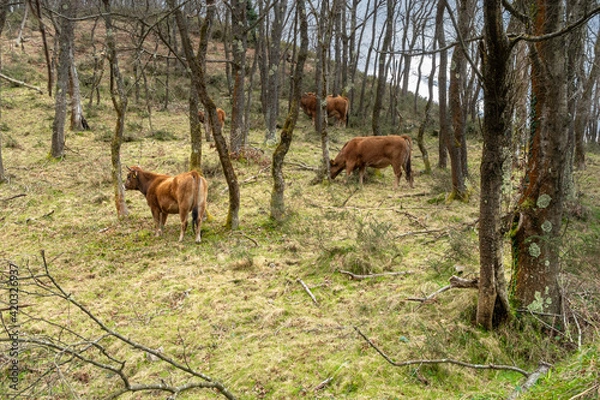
376 152
180 194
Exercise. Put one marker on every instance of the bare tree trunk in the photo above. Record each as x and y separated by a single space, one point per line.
458 106
37 12
19 40
78 121
361 107
64 64
119 100
277 200
492 306
536 245
442 90
198 75
381 78
240 43
273 61
195 132
584 107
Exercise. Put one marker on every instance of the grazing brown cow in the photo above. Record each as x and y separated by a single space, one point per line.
220 115
337 107
376 152
180 194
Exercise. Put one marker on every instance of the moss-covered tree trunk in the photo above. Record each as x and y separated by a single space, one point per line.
536 244
492 306
277 199
119 100
198 76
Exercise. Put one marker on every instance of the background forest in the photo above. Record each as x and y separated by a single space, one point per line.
481 282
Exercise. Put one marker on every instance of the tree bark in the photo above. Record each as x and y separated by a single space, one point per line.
442 90
492 306
536 245
240 43
277 199
119 100
65 40
198 76
381 78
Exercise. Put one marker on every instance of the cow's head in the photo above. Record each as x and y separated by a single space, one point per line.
132 182
335 167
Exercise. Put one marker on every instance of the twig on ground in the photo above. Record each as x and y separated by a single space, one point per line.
302 166
442 360
20 83
13 197
424 232
306 288
532 378
455 282
358 277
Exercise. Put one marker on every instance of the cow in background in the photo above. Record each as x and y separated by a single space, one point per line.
375 152
337 107
220 115
180 194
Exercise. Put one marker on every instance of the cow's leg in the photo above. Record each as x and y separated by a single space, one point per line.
361 174
163 222
198 223
397 174
157 220
183 216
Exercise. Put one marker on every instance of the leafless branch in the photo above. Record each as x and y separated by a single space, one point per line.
441 360
20 83
67 348
455 282
359 277
306 288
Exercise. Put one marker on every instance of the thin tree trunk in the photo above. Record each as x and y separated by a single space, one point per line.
119 100
64 64
277 199
198 75
381 78
442 89
492 306
37 12
237 138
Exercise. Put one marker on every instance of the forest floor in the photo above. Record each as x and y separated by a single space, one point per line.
235 307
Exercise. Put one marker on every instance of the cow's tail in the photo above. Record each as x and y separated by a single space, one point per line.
196 199
347 110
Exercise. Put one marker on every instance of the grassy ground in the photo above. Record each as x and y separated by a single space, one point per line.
233 307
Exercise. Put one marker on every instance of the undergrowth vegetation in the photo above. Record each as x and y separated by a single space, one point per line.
234 307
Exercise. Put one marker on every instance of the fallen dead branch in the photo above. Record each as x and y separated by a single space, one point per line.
455 282
302 166
532 377
307 289
13 197
424 232
20 83
370 276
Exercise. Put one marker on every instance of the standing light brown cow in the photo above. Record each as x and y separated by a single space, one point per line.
180 194
337 107
376 152
220 115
